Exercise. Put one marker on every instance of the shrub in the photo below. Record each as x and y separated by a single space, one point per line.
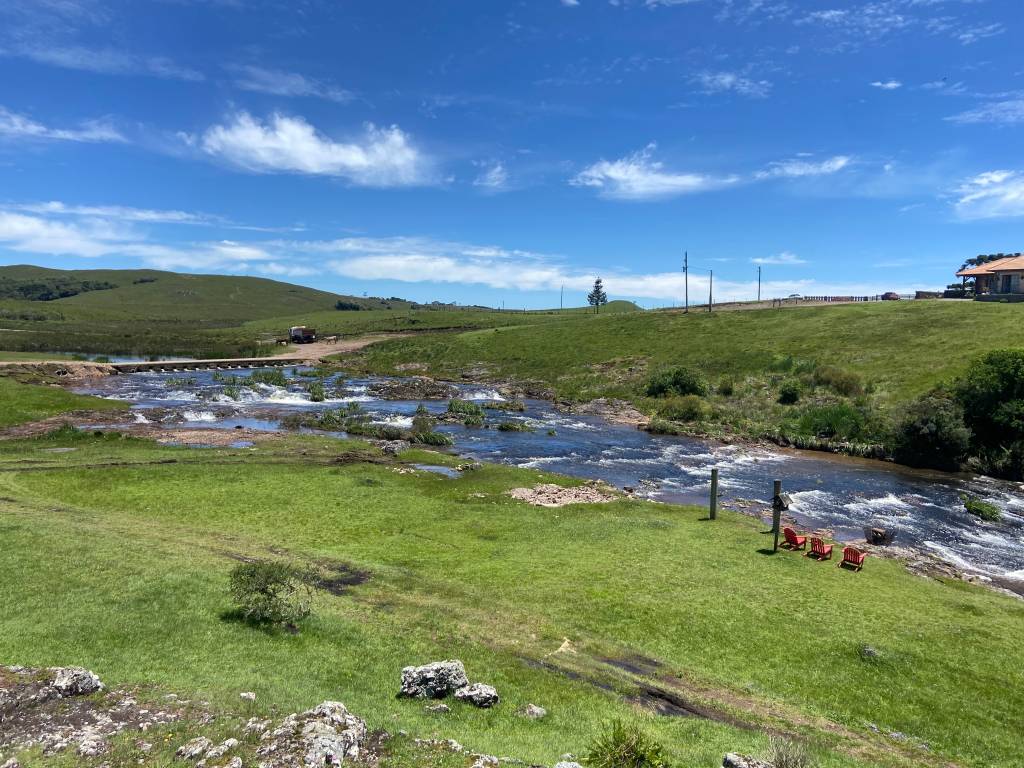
514 426
316 391
274 377
625 746
789 392
270 592
838 420
982 509
432 438
465 408
347 306
992 397
785 753
677 381
932 433
726 386
843 382
689 408
422 421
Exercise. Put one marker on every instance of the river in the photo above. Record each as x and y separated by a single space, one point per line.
924 509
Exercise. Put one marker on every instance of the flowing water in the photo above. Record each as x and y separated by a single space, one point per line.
924 509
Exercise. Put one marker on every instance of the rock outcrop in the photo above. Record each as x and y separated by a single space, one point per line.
433 681
326 735
733 760
478 694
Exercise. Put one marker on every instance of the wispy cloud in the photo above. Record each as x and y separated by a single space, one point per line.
493 177
639 177
1008 112
118 212
718 82
991 195
16 126
381 157
107 61
792 169
279 83
971 35
786 258
570 3
887 85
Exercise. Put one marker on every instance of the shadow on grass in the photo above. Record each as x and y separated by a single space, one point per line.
235 616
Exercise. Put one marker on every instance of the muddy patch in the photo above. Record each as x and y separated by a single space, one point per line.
338 578
551 495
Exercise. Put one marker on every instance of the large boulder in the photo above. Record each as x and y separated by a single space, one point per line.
328 734
733 760
74 681
478 694
433 681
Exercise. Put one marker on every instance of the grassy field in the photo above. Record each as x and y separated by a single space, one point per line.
21 403
648 594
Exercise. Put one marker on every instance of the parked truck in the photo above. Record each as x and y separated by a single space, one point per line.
301 334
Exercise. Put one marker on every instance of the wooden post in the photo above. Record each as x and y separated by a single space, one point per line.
776 513
713 503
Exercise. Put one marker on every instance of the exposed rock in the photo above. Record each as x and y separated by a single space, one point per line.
326 735
485 761
440 709
615 411
733 760
533 712
256 726
91 744
392 447
551 495
247 696
221 749
568 764
12 763
413 388
433 681
75 681
193 750
478 694
234 762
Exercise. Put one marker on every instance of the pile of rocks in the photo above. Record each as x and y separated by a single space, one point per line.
66 708
440 679
413 388
551 495
328 734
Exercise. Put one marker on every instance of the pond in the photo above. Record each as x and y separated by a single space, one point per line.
923 509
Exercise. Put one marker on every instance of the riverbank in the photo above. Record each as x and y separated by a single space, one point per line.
456 567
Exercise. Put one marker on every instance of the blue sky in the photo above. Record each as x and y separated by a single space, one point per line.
489 152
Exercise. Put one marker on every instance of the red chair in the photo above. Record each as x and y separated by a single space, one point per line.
794 541
820 549
853 557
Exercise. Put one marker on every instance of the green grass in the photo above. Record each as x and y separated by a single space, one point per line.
22 403
458 569
6 356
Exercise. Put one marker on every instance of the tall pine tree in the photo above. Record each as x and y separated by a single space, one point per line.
597 297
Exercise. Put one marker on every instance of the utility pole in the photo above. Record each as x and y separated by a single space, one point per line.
759 283
711 284
686 279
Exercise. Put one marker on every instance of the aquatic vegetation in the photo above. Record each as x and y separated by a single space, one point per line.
316 391
983 509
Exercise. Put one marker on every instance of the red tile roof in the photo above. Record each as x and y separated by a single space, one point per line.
992 266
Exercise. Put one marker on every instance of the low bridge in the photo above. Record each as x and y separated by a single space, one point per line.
167 366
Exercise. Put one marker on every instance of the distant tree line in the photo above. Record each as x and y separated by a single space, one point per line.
49 290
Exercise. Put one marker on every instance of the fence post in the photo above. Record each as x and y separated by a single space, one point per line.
713 502
776 512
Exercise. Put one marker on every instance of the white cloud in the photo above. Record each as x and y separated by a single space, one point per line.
1009 112
494 177
781 259
279 83
104 61
887 85
570 3
718 82
971 35
638 177
122 213
382 157
30 234
991 195
13 125
792 169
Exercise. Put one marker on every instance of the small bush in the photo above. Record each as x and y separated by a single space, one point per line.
843 382
677 381
275 377
347 306
465 408
785 753
789 392
983 509
317 394
726 386
689 408
841 421
514 426
933 433
432 438
625 746
270 592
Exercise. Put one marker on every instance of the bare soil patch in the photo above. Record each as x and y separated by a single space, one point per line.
551 495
